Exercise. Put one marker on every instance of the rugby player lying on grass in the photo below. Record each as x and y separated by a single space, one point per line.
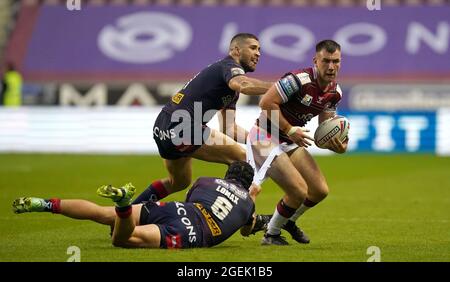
214 209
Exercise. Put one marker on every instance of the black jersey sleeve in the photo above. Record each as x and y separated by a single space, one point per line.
250 218
231 69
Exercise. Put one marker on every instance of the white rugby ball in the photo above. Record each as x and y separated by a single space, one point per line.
329 129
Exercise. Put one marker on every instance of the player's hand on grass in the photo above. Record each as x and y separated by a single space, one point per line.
246 230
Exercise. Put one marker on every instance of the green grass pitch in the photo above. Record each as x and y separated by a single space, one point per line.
398 203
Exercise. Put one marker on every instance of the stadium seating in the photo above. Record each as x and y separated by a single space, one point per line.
6 13
319 3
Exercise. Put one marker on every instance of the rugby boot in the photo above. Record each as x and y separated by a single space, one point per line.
29 204
121 196
262 221
296 233
270 239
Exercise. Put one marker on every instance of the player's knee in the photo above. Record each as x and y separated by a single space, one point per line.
301 195
298 194
322 192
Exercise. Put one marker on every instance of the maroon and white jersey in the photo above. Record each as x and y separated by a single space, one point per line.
303 99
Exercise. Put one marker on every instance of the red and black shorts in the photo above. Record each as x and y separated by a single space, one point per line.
179 223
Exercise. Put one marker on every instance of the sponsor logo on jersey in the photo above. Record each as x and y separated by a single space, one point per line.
177 98
236 71
307 99
181 211
304 78
227 100
213 226
289 85
164 134
319 99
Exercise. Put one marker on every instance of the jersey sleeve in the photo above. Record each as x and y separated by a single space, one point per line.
291 84
252 212
230 70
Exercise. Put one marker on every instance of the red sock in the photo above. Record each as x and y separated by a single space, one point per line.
284 210
124 212
159 189
307 202
56 205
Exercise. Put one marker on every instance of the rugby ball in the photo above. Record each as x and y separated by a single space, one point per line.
337 126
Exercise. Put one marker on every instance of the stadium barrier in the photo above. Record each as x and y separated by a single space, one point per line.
129 130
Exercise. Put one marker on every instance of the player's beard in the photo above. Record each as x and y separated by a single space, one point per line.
246 67
245 63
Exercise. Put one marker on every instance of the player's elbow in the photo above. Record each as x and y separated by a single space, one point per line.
263 103
319 191
323 193
266 104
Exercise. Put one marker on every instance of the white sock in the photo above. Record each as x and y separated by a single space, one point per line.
301 210
275 223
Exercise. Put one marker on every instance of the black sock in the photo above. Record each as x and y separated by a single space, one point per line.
48 206
145 196
154 192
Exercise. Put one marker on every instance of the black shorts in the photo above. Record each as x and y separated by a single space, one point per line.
175 142
180 224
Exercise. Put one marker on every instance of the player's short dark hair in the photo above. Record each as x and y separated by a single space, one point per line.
329 45
241 172
242 36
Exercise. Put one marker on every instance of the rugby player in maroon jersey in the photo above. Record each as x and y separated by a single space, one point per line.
276 145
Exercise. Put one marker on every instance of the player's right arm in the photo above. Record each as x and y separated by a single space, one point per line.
270 104
246 230
249 86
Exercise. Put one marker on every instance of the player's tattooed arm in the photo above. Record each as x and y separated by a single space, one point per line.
249 86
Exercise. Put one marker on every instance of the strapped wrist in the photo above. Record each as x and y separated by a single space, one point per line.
292 130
